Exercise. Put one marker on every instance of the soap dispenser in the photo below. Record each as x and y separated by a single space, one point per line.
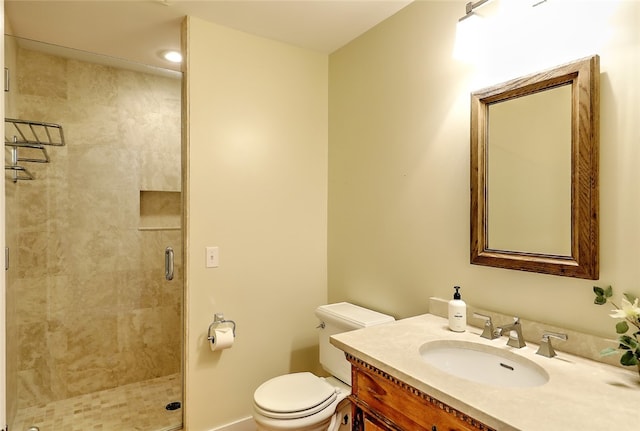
457 312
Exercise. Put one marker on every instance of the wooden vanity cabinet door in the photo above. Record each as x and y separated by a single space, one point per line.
364 420
369 425
383 403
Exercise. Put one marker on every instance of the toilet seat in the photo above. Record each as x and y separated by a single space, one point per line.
294 396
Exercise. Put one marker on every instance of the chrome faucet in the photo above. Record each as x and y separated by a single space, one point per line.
488 332
546 349
514 333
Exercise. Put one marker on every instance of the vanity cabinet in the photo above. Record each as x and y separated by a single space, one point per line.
383 403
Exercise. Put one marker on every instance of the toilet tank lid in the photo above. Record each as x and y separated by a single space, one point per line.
357 316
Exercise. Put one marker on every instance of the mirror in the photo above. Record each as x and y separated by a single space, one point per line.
534 172
529 174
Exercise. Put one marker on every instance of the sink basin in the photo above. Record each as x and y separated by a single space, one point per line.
483 364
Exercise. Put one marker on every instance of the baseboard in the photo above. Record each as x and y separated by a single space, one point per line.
246 424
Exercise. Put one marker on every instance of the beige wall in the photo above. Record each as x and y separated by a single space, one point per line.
88 306
399 159
257 188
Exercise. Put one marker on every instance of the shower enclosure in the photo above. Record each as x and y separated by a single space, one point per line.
94 328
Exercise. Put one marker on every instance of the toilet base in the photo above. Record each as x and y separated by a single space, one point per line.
340 420
322 426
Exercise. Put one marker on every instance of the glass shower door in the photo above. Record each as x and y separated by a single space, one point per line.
94 329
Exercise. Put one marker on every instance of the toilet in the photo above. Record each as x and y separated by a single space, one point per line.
304 401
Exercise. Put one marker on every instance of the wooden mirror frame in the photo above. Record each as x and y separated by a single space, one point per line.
584 77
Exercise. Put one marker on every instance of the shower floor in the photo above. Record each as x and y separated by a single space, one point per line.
137 406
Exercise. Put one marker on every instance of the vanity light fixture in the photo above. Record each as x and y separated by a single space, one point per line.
172 56
469 8
468 33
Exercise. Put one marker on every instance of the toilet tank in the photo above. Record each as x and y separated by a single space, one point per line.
343 317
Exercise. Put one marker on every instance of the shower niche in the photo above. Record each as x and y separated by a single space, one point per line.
160 210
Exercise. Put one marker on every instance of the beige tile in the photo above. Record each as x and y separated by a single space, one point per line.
57 340
103 251
57 257
43 108
137 290
102 207
144 92
41 74
90 376
137 406
103 167
152 250
32 389
140 328
92 295
88 89
31 300
90 124
32 345
90 335
171 291
35 209
31 256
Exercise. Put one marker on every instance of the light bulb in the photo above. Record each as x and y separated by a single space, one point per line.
172 56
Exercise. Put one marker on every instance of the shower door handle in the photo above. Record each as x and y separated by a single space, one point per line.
168 263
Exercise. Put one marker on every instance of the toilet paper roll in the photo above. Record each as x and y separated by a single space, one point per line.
222 339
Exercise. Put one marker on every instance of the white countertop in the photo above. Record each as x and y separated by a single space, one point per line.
581 394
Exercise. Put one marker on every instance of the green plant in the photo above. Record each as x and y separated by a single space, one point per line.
629 315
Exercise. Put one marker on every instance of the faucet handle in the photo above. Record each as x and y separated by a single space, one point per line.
488 332
546 348
558 335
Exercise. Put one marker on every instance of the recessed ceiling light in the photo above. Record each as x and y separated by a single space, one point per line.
172 56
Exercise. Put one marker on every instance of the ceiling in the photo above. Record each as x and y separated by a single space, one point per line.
138 30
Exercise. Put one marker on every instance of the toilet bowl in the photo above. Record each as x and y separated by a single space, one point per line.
304 401
299 401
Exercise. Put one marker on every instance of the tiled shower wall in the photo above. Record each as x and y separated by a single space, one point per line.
88 305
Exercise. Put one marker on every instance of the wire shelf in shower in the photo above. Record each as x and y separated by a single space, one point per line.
33 137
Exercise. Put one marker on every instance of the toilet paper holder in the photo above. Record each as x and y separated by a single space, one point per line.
218 319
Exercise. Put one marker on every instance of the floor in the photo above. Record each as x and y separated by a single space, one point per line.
135 407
